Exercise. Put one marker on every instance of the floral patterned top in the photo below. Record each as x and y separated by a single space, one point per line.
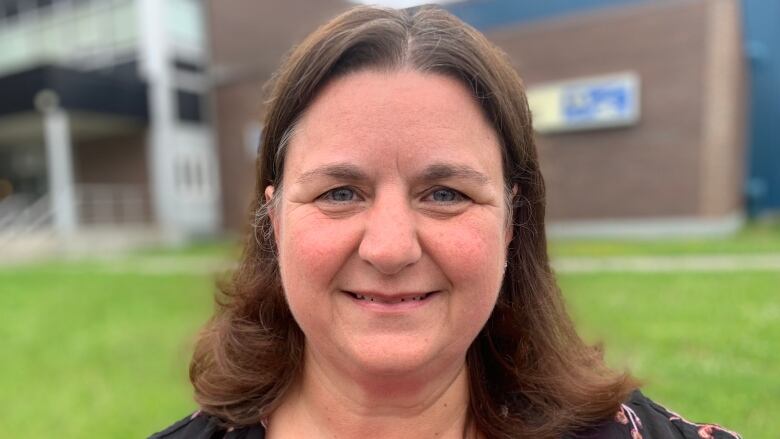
638 418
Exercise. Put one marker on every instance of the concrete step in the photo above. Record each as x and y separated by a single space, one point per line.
45 244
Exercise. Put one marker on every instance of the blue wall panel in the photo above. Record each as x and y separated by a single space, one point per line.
484 14
762 45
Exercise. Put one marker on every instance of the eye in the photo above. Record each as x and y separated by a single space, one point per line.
446 195
339 195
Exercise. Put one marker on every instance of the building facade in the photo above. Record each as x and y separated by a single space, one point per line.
677 165
104 118
652 116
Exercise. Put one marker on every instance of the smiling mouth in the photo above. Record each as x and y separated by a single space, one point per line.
389 300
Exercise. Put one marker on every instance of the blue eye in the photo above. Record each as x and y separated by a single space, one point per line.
444 195
340 195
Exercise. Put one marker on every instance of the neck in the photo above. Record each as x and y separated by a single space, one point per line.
328 402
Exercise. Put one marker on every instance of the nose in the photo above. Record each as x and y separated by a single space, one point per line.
389 240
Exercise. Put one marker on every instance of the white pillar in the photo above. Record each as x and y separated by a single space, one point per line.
155 67
59 163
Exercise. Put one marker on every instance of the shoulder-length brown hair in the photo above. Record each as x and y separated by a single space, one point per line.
530 374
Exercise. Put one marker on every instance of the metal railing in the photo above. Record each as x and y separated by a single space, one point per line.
96 204
18 214
112 204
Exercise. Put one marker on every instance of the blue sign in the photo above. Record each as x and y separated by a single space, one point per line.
600 103
585 103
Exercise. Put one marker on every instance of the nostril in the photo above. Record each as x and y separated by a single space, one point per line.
389 242
390 257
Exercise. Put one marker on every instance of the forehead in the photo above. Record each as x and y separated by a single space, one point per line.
399 117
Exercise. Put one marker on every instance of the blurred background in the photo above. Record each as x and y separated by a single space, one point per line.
129 130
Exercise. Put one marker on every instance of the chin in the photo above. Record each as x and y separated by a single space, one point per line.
403 359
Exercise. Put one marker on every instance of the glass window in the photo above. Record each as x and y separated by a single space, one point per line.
184 22
189 106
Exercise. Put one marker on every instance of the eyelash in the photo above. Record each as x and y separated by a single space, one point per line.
458 196
328 196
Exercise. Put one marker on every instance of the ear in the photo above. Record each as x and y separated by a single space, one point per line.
510 225
272 213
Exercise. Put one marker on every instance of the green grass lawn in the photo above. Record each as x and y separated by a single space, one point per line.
706 345
91 352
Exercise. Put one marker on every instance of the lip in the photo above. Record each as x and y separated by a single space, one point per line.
391 301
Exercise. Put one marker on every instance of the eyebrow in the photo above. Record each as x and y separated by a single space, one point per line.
434 172
444 171
338 171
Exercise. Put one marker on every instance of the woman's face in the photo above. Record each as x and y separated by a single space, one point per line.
392 229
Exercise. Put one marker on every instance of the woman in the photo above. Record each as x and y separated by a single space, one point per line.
398 284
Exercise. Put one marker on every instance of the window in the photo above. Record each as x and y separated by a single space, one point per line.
44 3
189 106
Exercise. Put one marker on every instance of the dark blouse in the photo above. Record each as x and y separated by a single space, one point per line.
638 418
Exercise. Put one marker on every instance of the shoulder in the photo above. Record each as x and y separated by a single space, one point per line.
641 418
652 420
200 425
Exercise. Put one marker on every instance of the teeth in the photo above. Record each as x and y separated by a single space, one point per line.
371 299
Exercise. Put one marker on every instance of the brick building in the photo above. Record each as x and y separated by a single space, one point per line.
677 166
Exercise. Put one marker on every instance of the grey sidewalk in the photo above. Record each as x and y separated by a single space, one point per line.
675 263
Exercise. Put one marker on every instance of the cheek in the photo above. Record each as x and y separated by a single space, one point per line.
471 252
311 252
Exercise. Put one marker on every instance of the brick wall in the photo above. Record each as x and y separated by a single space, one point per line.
685 156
